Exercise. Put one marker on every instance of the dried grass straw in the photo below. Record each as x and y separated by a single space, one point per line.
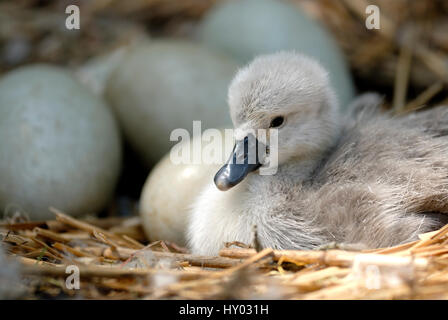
114 265
408 53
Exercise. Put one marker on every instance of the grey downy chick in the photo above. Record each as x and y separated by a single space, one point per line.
367 179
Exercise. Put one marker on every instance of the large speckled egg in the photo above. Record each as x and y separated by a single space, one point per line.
59 144
167 85
169 192
247 28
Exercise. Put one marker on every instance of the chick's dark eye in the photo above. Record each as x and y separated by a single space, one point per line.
277 122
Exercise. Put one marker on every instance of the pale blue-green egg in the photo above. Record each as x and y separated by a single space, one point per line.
247 28
166 85
59 144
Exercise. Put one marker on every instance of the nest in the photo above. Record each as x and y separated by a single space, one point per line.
113 263
405 58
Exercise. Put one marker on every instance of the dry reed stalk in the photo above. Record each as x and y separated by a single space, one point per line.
86 227
402 79
332 257
137 245
194 260
318 279
21 226
39 254
250 260
50 235
62 247
51 250
107 272
423 98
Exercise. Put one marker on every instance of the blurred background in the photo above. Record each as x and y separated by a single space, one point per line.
156 65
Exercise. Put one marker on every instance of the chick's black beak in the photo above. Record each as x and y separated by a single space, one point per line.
243 160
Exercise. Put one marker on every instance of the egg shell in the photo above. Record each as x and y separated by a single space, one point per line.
170 191
247 28
167 85
59 144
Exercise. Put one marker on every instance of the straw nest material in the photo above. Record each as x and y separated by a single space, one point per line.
406 58
114 264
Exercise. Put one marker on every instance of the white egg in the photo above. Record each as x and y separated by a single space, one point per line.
247 28
170 191
167 85
59 144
